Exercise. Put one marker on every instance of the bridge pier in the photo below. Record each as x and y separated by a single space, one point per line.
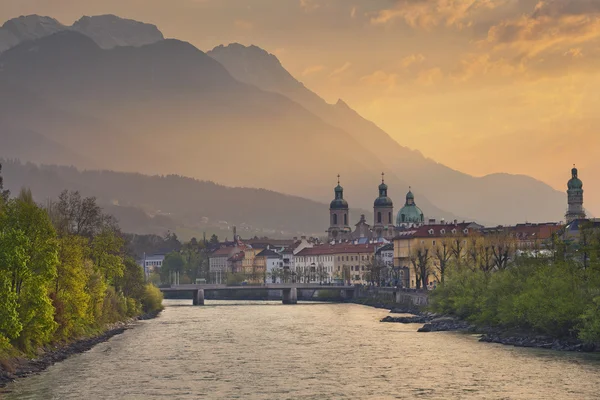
289 296
198 299
347 294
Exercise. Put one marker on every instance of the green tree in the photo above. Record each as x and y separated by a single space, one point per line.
69 296
106 252
173 262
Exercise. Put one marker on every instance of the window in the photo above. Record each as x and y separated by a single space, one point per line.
379 217
433 242
345 219
362 268
334 219
443 231
389 218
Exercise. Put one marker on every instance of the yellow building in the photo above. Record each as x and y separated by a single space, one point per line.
425 247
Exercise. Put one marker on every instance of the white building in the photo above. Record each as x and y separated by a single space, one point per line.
314 264
151 263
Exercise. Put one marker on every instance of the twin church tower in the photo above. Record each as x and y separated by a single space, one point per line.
383 216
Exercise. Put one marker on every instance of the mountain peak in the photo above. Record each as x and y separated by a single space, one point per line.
107 31
254 65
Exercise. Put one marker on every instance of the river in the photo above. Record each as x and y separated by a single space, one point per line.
266 350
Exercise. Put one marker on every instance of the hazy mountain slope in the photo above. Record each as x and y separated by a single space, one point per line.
169 108
174 200
25 28
107 31
110 31
28 145
506 198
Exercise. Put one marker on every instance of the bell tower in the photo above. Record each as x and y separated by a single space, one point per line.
575 198
339 215
383 212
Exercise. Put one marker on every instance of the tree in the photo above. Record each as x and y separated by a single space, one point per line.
74 215
503 249
214 241
443 254
173 263
375 268
457 247
69 293
106 252
4 194
420 260
28 258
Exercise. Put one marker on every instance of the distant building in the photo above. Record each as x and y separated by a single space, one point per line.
575 198
151 263
339 214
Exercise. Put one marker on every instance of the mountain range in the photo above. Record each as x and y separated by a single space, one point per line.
233 115
156 204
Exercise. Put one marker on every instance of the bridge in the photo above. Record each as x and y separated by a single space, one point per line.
289 291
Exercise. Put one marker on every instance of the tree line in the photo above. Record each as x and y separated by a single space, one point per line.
64 273
554 292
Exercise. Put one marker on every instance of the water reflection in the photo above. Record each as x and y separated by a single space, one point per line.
266 350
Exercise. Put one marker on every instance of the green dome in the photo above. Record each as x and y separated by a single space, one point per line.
575 183
410 213
383 202
339 202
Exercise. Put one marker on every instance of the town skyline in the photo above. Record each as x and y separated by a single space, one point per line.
445 78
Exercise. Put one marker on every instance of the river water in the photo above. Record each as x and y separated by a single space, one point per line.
266 350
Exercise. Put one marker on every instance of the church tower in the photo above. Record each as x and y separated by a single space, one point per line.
575 198
338 215
383 211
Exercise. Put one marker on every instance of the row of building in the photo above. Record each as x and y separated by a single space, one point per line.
384 253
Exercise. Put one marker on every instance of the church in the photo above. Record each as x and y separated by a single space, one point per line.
383 217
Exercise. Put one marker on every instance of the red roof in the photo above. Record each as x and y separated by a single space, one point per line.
437 230
340 248
236 257
222 252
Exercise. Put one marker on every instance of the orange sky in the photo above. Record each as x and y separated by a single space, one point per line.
480 85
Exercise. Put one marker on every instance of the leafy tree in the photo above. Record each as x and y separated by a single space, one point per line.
106 249
4 194
68 293
173 262
214 240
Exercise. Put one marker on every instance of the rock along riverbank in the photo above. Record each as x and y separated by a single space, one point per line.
434 323
15 368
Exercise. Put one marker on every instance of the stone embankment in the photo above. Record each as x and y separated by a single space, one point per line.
435 323
431 322
540 342
23 367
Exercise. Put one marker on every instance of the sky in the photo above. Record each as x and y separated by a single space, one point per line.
482 86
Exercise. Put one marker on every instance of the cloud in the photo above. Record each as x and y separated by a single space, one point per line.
552 25
243 24
309 5
428 14
412 59
574 52
380 78
312 69
429 77
341 69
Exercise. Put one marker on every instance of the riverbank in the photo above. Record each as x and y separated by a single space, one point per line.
509 337
20 367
